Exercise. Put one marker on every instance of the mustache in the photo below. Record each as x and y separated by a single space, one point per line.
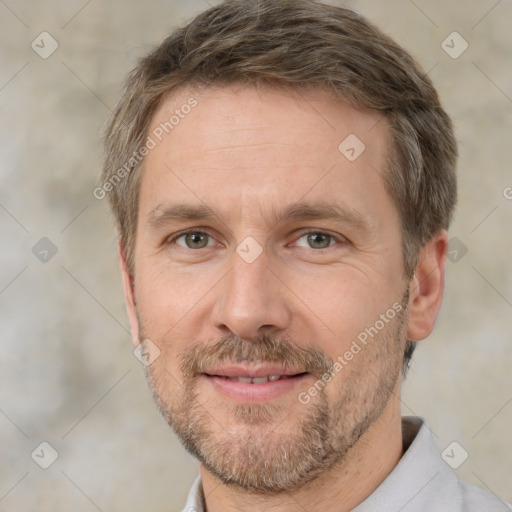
263 349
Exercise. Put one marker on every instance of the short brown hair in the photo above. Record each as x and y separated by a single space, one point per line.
290 43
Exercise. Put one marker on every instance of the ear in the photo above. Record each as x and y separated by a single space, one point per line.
427 287
129 295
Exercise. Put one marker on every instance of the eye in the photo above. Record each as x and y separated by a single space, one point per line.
194 240
317 240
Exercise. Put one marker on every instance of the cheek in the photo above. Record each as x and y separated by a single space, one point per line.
341 305
165 297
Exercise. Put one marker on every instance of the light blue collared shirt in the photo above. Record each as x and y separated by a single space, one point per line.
421 482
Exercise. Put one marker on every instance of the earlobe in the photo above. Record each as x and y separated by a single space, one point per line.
129 295
427 287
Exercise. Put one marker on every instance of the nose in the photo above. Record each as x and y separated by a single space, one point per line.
251 300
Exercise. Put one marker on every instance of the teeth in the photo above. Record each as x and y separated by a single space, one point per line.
256 380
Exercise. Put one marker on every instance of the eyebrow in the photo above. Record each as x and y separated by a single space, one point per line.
161 217
301 211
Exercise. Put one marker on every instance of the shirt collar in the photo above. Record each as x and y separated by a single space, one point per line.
421 481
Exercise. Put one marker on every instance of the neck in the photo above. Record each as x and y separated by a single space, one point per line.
339 489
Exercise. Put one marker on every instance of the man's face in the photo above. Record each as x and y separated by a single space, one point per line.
299 258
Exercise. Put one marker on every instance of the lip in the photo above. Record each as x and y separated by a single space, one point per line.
246 392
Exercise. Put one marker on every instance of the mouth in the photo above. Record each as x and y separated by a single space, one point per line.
250 385
258 380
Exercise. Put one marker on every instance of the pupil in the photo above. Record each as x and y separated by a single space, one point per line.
196 240
318 240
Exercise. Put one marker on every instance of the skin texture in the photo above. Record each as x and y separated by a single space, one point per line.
247 154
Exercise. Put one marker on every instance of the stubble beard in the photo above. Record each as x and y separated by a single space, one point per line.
258 456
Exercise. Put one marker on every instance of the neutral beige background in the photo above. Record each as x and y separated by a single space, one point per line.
68 375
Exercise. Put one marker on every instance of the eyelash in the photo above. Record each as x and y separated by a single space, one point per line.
337 239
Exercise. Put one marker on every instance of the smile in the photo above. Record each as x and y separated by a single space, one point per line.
250 385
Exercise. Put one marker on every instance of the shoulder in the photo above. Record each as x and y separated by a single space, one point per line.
475 499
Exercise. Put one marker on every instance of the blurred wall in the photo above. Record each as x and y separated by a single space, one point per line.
68 376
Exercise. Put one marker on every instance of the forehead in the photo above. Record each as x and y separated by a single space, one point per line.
263 145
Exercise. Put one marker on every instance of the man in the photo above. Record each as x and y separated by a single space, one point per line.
282 175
